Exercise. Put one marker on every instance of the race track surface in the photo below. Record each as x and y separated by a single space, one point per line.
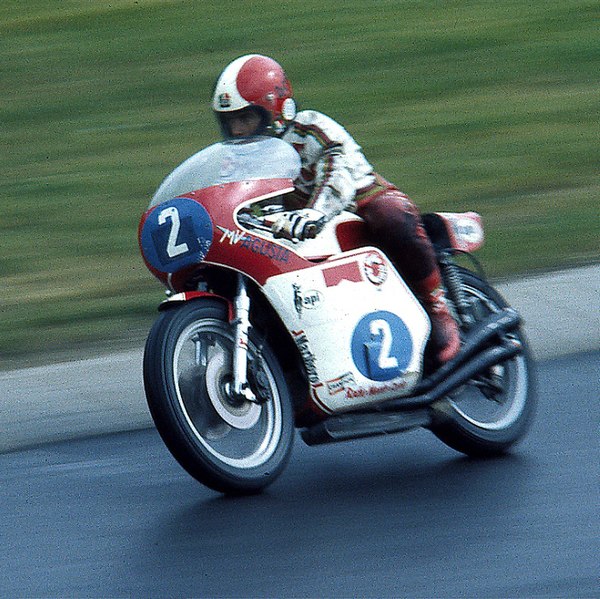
397 516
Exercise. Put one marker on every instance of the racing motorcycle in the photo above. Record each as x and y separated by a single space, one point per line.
260 336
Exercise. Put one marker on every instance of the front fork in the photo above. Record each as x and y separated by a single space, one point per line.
240 390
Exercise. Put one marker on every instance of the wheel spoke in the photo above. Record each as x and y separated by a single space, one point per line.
200 350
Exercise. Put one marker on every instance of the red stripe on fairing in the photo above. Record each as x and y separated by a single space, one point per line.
255 255
317 401
343 272
352 235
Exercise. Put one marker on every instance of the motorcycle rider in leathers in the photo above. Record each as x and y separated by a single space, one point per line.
253 96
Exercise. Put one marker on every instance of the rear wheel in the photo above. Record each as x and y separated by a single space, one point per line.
494 410
229 444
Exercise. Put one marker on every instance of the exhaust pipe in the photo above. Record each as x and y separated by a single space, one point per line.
405 413
485 360
495 326
360 425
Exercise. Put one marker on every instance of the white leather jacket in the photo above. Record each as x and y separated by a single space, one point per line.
334 168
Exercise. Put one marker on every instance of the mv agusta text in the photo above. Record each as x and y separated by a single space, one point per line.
259 336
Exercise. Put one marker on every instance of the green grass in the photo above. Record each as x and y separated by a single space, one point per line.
471 104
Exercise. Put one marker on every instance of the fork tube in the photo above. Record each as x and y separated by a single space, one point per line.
241 324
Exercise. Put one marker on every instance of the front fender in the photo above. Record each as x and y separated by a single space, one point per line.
187 296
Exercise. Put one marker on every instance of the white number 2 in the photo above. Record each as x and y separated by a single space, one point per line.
385 360
173 248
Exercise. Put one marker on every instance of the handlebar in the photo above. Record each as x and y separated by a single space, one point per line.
253 222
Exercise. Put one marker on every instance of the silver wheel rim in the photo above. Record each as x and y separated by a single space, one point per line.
240 434
502 411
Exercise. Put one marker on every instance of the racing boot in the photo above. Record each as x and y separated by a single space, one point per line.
444 342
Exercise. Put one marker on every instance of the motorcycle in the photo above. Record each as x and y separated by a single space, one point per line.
260 336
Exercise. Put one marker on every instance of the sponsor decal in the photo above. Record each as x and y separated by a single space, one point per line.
375 268
265 248
234 237
224 100
309 358
343 272
341 383
353 393
308 300
467 230
255 244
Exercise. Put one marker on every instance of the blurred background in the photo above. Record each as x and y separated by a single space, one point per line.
465 105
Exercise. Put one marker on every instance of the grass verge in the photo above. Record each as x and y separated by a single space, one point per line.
468 105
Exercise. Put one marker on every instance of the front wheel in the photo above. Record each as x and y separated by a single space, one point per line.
229 444
494 410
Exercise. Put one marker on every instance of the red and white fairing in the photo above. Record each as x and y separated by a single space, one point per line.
359 329
334 309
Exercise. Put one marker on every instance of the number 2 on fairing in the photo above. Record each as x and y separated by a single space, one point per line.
173 248
385 360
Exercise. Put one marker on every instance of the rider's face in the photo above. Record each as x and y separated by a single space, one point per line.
243 123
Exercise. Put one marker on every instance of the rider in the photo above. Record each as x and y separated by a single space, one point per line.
253 96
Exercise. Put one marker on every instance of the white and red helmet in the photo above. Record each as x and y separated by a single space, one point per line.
259 82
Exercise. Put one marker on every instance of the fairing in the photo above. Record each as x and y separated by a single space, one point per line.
360 331
357 326
208 191
193 211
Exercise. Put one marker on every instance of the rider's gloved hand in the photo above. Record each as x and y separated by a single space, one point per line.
300 224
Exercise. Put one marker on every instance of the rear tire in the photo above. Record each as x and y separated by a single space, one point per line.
231 446
492 412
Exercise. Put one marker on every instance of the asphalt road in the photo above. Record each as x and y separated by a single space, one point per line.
398 516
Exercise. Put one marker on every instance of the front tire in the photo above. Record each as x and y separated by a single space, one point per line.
493 411
230 445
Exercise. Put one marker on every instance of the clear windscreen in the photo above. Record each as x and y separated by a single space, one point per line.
228 162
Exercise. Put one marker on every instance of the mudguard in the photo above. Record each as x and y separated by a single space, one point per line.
187 296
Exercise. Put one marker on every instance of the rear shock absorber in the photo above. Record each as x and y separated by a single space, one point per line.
453 283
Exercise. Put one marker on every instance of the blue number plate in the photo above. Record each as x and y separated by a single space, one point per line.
177 234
